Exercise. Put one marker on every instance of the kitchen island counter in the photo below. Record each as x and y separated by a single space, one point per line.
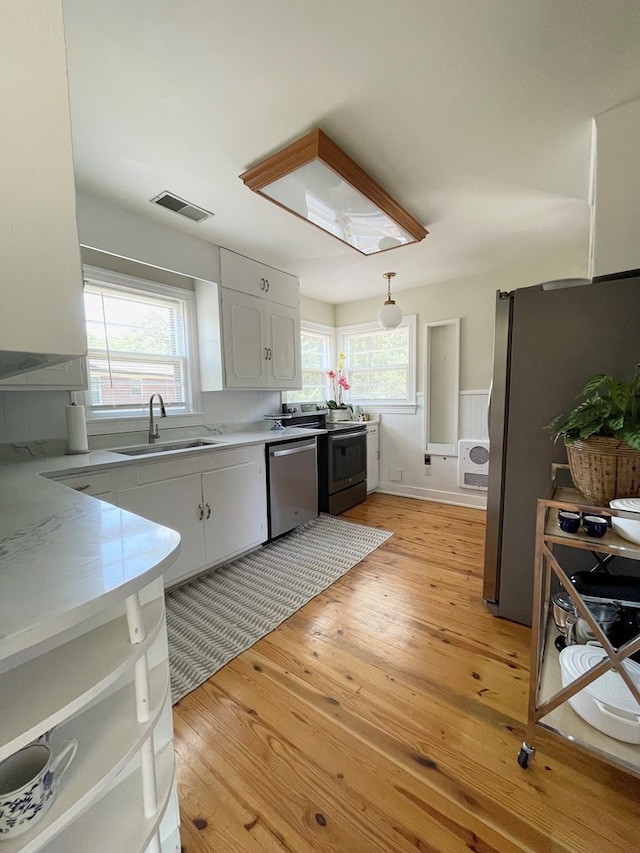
65 556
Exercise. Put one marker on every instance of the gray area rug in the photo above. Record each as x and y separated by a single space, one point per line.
212 619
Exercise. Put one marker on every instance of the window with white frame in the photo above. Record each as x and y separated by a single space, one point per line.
380 364
317 345
139 338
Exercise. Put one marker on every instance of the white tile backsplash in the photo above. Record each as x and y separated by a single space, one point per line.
15 417
40 415
473 415
403 445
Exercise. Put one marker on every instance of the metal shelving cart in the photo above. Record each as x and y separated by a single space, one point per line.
548 699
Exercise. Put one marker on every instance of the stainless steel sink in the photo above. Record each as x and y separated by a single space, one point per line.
147 449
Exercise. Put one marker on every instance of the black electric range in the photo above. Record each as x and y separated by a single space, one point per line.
342 456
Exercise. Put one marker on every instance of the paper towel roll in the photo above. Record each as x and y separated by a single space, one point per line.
76 429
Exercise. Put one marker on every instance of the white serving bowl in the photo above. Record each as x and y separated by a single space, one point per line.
627 527
607 704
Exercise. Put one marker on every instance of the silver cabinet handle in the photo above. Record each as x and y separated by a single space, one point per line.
378 455
200 512
82 488
269 353
208 511
266 281
262 283
266 353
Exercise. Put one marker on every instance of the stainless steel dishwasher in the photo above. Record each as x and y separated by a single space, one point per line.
293 485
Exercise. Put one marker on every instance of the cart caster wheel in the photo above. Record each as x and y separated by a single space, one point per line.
525 755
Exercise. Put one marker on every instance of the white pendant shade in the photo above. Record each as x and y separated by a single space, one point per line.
390 315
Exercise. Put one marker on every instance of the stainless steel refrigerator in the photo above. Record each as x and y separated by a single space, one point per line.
549 340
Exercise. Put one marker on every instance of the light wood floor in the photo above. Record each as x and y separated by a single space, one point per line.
386 716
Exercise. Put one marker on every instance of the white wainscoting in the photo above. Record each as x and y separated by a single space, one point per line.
402 450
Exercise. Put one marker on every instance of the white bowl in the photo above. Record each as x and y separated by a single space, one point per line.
627 527
607 704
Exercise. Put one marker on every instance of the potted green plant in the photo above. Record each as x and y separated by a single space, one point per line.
602 437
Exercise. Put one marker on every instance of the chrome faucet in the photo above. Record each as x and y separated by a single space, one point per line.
153 430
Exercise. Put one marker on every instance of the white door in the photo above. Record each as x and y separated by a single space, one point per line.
235 510
244 340
284 347
177 504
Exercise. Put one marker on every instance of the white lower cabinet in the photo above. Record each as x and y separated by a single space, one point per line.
373 457
108 689
220 510
175 503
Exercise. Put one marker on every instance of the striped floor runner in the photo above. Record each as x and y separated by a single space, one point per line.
212 619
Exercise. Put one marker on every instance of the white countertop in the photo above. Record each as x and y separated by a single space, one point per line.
65 556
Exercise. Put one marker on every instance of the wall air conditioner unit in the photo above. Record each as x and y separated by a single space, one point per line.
473 465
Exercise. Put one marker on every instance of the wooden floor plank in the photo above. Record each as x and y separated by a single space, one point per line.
385 716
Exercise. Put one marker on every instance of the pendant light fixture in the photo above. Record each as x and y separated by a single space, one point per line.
390 315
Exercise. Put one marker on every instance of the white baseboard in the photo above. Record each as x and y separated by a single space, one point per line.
472 501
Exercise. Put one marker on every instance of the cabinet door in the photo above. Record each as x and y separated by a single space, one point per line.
373 456
40 269
284 347
241 274
256 279
281 287
237 498
174 503
244 340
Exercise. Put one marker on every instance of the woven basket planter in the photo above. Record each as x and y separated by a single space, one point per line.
604 469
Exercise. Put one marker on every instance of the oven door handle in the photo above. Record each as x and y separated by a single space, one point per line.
290 451
350 436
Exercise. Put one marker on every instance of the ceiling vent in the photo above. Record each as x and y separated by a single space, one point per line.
179 205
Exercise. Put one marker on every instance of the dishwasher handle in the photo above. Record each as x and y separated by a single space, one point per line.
289 451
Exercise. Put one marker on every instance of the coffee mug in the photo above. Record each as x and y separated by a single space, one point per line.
28 780
595 525
569 521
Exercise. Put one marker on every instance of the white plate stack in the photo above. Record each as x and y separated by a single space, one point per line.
627 527
607 704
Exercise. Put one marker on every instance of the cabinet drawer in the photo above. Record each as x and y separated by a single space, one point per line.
95 483
210 460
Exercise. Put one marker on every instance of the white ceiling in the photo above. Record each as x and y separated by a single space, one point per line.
474 114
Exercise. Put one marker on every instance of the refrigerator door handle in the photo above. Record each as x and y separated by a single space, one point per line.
489 407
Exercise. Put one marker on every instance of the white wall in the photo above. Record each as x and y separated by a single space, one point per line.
617 194
317 312
39 416
117 231
402 437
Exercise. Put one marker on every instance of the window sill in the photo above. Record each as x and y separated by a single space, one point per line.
389 408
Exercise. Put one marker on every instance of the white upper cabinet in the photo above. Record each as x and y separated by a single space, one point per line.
67 376
616 235
249 328
41 304
256 279
261 342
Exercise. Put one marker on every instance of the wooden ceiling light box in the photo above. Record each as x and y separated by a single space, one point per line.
317 181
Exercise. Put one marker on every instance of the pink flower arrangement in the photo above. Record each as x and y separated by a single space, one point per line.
340 384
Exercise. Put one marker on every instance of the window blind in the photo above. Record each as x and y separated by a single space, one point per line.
136 347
